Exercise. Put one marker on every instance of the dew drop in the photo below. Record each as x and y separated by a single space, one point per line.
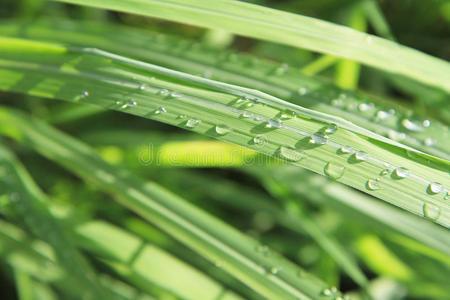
274 123
447 195
142 87
426 123
182 116
369 39
372 185
382 115
84 94
191 123
259 140
130 103
401 172
434 188
345 150
163 92
334 170
384 172
288 114
361 156
431 211
336 102
159 110
281 69
290 154
394 135
408 124
364 107
247 114
275 270
302 91
174 95
327 292
331 128
263 249
222 129
429 142
318 139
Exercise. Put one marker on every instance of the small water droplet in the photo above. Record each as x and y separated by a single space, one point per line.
130 103
331 128
222 129
175 95
274 123
447 195
302 91
431 211
327 292
429 142
281 69
401 172
290 154
288 114
384 172
159 110
434 188
382 115
259 140
394 135
182 116
364 107
275 270
84 94
345 150
334 170
247 114
191 123
318 139
336 102
263 249
361 156
163 92
142 86
369 39
408 124
373 185
426 123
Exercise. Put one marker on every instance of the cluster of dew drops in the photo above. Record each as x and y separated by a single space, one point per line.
321 137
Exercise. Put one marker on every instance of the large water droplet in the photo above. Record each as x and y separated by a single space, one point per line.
361 156
191 123
318 139
334 170
290 154
401 172
431 211
345 150
373 185
434 188
222 129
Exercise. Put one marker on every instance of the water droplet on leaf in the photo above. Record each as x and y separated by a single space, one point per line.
431 211
290 154
222 129
434 188
334 170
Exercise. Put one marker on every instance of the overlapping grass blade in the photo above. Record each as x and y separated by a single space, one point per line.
263 270
355 156
291 29
281 81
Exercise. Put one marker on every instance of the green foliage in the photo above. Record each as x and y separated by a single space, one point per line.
109 196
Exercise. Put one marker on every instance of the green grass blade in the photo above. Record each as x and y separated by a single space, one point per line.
350 154
265 271
294 30
348 201
24 285
378 116
25 200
